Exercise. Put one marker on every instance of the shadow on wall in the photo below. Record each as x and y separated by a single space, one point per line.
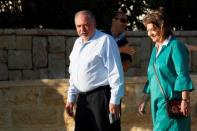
33 106
38 105
131 119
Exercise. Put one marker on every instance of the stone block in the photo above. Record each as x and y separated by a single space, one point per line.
15 75
34 117
40 52
56 66
37 128
2 45
7 42
3 56
4 118
43 73
56 44
131 120
24 42
194 62
19 59
3 71
30 74
69 46
133 71
39 105
56 73
11 97
51 97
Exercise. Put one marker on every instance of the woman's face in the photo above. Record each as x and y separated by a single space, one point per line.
153 32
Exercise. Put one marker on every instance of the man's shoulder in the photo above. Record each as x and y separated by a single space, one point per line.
123 41
105 38
104 34
107 32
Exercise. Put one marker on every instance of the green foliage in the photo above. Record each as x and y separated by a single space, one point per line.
134 8
181 12
59 14
10 13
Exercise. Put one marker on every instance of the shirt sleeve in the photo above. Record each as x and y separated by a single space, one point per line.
180 56
113 64
72 90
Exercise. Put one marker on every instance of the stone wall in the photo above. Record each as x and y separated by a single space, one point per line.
43 53
38 105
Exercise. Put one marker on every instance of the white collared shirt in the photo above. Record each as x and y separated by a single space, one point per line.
96 63
165 43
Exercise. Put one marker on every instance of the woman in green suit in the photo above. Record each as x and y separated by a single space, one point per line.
171 60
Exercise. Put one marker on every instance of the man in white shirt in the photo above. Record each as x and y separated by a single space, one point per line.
96 76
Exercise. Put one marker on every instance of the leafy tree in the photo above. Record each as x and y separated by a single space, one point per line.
104 10
134 8
59 14
181 12
10 13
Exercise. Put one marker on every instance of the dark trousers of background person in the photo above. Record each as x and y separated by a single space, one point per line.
92 112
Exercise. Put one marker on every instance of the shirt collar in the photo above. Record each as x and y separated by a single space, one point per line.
92 37
119 37
166 41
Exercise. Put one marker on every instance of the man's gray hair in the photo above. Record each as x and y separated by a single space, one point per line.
88 13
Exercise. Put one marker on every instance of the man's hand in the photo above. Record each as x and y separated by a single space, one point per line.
69 108
127 49
114 109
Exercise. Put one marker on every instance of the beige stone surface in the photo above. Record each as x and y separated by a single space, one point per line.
38 105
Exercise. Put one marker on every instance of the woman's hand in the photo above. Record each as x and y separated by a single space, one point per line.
142 108
185 103
185 107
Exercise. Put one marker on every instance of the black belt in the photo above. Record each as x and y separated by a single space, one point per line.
95 90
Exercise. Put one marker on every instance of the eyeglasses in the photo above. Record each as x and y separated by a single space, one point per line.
122 20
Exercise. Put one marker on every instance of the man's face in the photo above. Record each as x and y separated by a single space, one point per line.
84 26
120 22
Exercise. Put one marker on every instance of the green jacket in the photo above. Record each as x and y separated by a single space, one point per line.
172 67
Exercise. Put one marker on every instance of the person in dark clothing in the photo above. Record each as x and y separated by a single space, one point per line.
118 25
